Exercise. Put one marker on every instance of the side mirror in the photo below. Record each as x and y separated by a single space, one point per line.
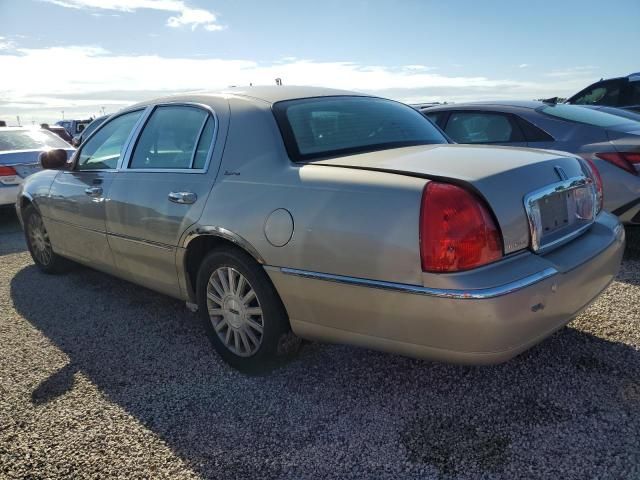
76 141
54 159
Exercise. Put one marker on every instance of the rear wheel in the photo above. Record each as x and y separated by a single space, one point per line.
39 244
241 310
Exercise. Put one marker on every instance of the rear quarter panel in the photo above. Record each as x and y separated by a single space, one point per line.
347 222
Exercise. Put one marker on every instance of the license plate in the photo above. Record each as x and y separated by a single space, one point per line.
558 213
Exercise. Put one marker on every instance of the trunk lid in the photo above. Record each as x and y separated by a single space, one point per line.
503 176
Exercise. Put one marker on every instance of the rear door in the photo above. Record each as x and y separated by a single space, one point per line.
78 196
484 127
161 190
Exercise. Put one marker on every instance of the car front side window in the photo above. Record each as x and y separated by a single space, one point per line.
102 150
176 138
603 93
481 127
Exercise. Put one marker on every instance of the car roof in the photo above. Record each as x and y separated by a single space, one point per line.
270 94
6 129
530 104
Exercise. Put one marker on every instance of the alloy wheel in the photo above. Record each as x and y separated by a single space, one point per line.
39 239
235 311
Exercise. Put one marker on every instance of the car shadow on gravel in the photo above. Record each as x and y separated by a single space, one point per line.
569 408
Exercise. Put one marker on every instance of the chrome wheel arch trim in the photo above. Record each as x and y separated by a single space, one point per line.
466 294
225 234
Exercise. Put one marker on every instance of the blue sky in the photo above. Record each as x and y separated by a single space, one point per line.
81 55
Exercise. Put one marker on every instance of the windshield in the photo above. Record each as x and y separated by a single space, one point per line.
332 126
589 116
28 139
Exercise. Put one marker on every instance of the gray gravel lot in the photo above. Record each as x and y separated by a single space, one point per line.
102 379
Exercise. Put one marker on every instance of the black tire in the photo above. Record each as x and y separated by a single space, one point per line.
275 322
50 262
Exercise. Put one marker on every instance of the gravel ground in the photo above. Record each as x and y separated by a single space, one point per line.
103 379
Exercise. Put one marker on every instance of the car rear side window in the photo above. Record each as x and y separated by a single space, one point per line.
30 139
171 137
341 125
531 132
103 149
433 116
482 127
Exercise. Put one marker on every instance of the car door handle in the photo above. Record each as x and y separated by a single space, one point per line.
183 197
93 191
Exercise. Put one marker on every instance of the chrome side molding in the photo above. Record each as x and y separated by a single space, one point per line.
432 292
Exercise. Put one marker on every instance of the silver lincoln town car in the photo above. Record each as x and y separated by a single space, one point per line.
338 216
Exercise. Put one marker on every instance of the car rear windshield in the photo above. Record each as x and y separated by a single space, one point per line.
30 140
574 113
332 126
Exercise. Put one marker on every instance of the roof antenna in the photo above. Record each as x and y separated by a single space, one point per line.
279 82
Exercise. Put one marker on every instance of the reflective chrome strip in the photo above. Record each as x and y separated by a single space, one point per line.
532 198
432 292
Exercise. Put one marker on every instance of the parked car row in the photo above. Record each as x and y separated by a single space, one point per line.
337 216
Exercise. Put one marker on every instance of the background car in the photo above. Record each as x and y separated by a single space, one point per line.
611 142
58 130
20 148
74 127
79 138
336 215
622 92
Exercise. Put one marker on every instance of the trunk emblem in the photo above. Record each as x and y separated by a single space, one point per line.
561 173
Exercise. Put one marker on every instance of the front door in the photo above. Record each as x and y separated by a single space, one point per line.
160 192
78 197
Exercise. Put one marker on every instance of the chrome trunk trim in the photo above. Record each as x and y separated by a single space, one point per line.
532 198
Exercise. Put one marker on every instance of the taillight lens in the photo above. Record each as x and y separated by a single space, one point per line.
457 232
629 161
8 176
597 180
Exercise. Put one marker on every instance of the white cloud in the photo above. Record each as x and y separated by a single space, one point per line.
83 78
6 44
523 65
584 70
185 16
417 68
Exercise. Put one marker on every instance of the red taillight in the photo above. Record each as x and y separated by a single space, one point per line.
7 171
629 161
597 179
457 231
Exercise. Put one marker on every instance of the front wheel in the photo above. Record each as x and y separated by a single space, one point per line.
39 244
241 310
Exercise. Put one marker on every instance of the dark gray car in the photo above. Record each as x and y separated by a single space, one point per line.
611 142
621 92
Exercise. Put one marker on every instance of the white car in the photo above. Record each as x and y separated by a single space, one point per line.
20 148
